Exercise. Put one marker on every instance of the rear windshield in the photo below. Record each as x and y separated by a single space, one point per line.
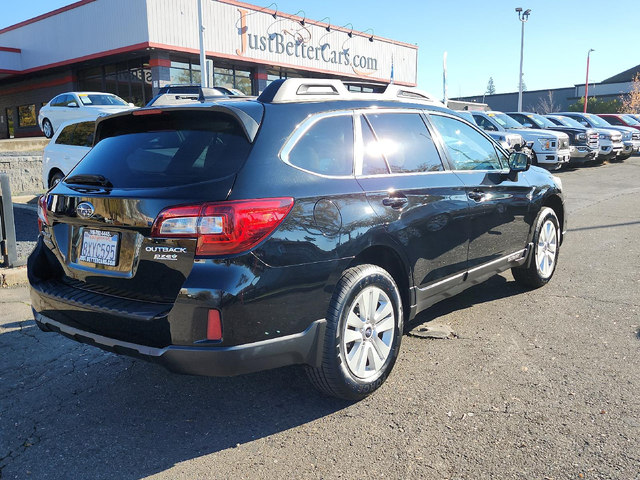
166 150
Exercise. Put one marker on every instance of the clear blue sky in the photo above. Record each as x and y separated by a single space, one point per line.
482 37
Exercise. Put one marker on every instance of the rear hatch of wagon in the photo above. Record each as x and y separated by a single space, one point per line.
98 221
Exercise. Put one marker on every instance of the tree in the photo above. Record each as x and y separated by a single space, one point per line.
631 101
491 88
596 106
524 87
546 105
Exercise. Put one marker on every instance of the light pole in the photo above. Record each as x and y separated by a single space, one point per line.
586 83
203 55
523 17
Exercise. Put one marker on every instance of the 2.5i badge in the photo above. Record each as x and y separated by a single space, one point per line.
166 253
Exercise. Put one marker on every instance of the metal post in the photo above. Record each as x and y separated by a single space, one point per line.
8 249
586 83
203 57
523 17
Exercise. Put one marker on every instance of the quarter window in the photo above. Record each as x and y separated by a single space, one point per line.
66 135
405 142
468 148
326 147
83 135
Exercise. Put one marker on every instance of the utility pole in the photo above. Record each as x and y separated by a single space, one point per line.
203 57
523 17
586 83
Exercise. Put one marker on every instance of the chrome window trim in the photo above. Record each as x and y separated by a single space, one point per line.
303 128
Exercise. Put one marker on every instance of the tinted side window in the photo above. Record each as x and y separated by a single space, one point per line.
59 101
373 163
83 136
468 149
614 120
483 123
66 135
70 99
405 142
326 147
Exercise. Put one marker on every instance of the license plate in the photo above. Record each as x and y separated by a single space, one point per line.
100 247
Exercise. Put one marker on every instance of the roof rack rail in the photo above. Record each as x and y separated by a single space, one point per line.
322 89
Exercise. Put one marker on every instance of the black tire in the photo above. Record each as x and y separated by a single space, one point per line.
47 128
532 275
334 376
55 178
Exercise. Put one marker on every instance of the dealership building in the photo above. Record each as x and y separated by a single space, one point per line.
134 47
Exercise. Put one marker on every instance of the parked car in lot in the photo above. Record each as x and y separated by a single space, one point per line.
550 149
583 143
621 120
511 142
174 94
78 105
68 146
629 136
306 226
610 141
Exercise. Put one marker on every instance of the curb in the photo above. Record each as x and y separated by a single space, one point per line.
12 277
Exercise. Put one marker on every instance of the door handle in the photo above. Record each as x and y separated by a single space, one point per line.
476 195
395 202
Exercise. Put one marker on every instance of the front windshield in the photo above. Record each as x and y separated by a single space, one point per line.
569 122
630 120
504 120
541 121
91 99
597 121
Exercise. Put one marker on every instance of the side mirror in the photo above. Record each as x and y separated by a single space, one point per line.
491 128
519 162
72 105
131 104
528 125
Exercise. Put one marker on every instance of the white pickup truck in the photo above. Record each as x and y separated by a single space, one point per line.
551 149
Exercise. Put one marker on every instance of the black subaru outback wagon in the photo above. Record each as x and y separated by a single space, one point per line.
307 226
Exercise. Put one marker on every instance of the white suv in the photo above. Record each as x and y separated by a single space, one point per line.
77 105
70 144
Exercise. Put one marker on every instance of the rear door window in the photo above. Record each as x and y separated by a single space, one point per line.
405 142
326 147
66 135
166 150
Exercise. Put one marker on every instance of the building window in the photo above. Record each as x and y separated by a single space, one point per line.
277 73
27 116
129 80
184 71
230 77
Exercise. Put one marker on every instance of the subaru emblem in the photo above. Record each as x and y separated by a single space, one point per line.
85 210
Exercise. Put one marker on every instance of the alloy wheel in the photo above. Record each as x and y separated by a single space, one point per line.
369 332
547 249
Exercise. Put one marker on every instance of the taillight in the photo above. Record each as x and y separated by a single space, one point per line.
223 228
42 212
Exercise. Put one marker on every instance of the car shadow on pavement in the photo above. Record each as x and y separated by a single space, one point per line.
71 409
495 288
74 409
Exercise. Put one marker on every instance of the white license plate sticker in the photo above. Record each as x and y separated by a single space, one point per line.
99 247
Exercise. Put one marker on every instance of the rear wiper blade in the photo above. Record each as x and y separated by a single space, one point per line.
89 179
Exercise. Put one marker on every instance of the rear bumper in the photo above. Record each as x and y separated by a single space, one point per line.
299 348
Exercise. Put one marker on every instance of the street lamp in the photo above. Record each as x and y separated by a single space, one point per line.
523 17
586 83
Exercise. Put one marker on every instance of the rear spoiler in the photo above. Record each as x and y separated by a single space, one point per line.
249 117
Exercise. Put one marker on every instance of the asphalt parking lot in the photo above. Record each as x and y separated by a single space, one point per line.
540 384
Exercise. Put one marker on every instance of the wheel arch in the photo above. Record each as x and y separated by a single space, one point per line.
51 173
557 205
392 261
